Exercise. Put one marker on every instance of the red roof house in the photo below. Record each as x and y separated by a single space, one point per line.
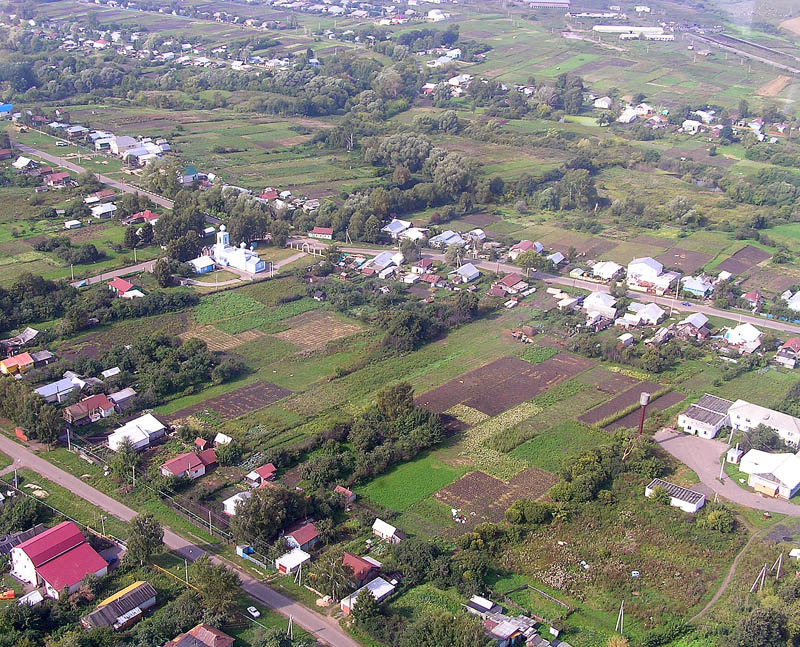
120 286
202 635
270 194
5 153
363 570
57 179
190 465
59 558
89 409
303 537
321 232
259 476
348 495
16 364
789 353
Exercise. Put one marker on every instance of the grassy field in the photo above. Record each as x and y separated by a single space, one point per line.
411 482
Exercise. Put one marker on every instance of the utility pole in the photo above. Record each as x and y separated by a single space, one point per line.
620 627
210 527
133 471
186 571
103 524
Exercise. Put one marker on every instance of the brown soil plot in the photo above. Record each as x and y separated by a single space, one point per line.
793 25
733 266
664 402
751 255
685 260
768 281
488 497
503 384
217 340
774 87
236 403
608 381
481 219
314 329
622 401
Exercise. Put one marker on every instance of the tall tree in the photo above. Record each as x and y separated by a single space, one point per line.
146 537
216 584
396 400
123 462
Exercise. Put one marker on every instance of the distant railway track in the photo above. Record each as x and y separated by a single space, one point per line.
762 48
716 42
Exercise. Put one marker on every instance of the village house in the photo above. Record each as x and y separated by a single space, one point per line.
396 227
680 497
141 432
99 196
603 103
304 537
60 390
447 239
346 494
422 266
646 274
387 532
746 338
602 304
89 410
16 364
230 504
745 416
120 286
465 274
557 259
706 416
59 558
104 210
122 609
190 465
788 353
202 635
291 561
325 233
607 270
379 588
695 326
261 475
753 299
776 475
524 246
123 399
480 606
362 569
699 287
415 234
512 283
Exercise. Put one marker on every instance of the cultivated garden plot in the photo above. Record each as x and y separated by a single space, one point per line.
220 341
481 497
620 403
314 329
503 384
236 403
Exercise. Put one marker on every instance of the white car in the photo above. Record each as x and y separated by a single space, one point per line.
254 612
62 144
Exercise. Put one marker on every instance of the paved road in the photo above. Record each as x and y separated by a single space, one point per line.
667 302
71 166
323 628
703 456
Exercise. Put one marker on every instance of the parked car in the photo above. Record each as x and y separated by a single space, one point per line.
254 612
62 143
686 304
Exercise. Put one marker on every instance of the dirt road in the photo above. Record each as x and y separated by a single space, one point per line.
323 628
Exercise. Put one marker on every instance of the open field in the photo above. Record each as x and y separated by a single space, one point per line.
503 384
775 87
220 341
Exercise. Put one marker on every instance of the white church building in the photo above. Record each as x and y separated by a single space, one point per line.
240 257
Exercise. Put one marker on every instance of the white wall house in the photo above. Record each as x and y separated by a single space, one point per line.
706 416
687 500
746 416
775 475
601 303
646 274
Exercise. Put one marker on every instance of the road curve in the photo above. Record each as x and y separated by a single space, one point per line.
71 166
551 279
325 629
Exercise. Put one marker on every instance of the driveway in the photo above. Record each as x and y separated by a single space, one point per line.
325 629
703 456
